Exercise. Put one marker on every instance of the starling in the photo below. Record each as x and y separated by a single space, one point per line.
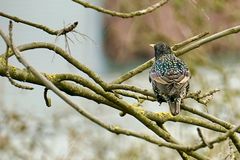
169 76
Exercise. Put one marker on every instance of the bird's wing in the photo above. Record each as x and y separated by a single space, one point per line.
170 78
168 73
159 79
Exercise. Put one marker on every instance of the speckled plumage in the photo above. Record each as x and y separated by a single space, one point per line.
169 76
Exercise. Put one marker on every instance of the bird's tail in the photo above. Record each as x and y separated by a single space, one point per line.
175 106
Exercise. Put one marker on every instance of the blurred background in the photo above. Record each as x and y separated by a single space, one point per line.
30 130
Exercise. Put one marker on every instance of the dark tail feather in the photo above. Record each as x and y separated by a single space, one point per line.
175 106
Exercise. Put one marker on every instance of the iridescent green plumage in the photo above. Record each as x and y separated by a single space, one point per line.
169 63
169 76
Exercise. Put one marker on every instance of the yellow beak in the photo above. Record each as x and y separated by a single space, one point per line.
152 45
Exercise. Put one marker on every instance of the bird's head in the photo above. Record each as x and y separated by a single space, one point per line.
160 49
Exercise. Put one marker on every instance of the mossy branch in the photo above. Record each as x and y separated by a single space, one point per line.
107 93
89 91
109 96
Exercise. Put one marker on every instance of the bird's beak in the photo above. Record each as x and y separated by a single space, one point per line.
152 45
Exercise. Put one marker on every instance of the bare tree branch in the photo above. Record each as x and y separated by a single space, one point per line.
163 117
46 98
131 88
208 39
204 98
234 137
216 140
188 41
204 141
120 14
40 26
12 81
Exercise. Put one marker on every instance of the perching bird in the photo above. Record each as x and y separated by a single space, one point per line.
169 76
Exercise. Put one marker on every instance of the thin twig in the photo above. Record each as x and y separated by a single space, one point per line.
14 83
130 88
121 14
204 141
133 72
183 155
134 95
217 139
40 26
187 41
204 98
46 98
138 104
234 137
208 39
208 117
